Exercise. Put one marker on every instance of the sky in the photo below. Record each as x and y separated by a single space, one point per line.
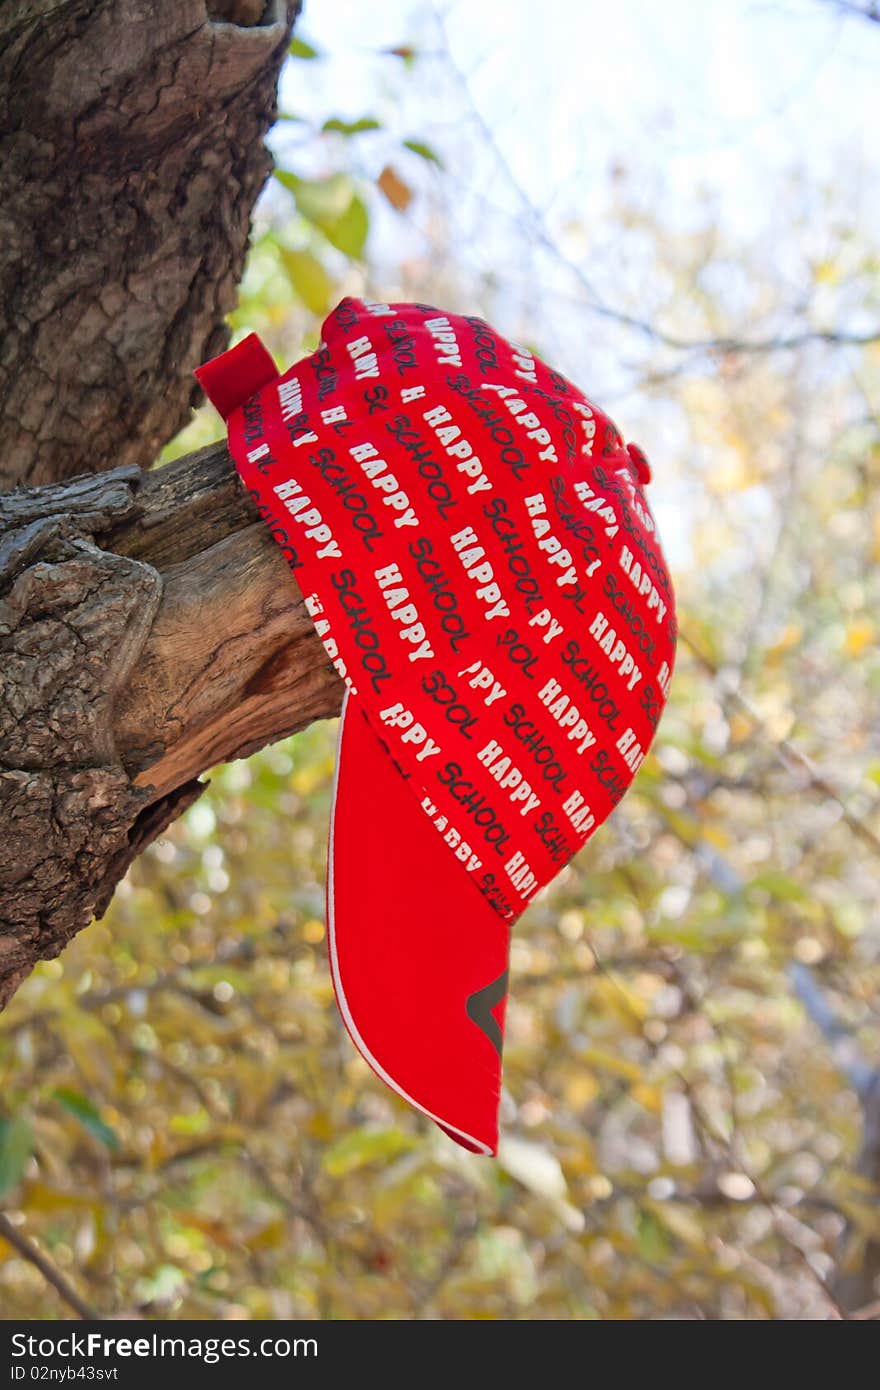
718 95
734 113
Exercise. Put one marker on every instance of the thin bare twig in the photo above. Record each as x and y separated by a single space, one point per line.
30 1252
785 751
723 346
870 11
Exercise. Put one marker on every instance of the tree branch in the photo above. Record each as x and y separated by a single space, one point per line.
722 346
149 628
869 11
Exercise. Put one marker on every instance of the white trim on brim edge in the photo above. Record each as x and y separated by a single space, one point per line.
337 980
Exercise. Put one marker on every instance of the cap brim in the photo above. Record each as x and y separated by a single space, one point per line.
419 958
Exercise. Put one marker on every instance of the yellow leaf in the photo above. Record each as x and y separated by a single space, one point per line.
610 1062
321 1126
614 996
268 1237
826 273
309 279
680 1221
41 1197
741 727
716 836
215 1230
788 638
398 193
581 1159
649 1097
581 1089
193 1122
359 1147
859 635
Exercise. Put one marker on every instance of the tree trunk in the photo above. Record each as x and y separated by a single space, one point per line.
131 155
149 626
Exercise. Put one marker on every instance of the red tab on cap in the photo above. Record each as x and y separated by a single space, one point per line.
232 378
642 467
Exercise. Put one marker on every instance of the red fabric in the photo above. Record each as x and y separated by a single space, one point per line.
239 373
475 547
408 950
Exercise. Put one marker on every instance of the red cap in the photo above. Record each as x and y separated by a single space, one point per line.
475 548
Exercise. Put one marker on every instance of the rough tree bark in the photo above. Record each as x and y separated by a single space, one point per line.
149 627
131 155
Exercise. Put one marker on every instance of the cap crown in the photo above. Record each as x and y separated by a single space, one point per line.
473 542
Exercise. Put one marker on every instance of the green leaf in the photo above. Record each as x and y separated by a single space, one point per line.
333 206
653 1241
336 123
349 232
424 151
288 180
83 1110
300 49
309 279
363 1146
321 201
778 885
16 1147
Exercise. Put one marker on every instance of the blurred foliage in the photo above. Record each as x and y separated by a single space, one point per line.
185 1127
